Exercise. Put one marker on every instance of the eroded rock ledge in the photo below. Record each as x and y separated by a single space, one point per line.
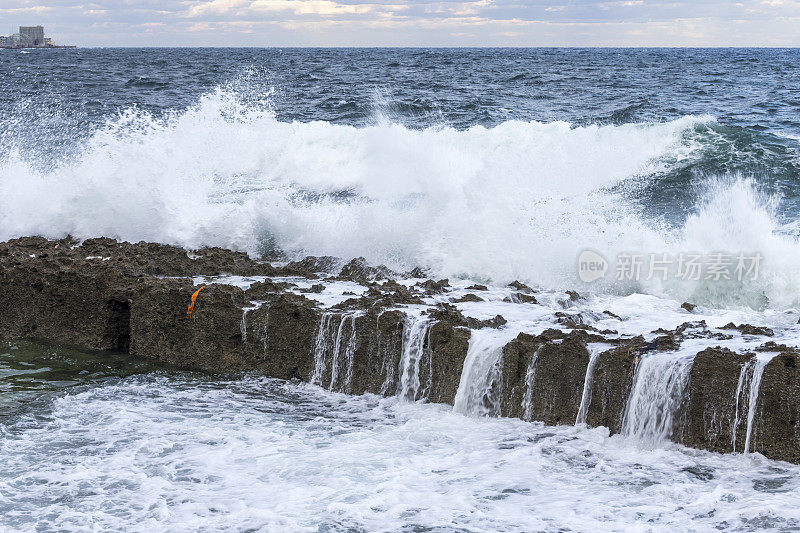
355 328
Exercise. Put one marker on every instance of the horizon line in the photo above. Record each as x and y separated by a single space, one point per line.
409 47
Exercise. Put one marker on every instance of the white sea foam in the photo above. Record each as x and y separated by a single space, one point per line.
178 454
516 201
733 216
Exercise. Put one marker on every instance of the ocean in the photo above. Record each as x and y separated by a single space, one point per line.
479 165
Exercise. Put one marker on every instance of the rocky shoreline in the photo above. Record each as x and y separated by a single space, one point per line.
355 328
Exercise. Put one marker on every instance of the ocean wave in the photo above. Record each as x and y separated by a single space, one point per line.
734 216
516 201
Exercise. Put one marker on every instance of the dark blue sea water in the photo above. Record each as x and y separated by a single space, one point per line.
755 89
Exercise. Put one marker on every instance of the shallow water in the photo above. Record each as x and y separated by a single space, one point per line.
175 451
34 374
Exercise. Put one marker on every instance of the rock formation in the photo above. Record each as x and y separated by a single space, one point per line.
392 338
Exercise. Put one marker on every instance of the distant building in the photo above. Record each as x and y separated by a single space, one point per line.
33 35
29 37
18 40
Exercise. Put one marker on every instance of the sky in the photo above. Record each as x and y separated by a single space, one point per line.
409 22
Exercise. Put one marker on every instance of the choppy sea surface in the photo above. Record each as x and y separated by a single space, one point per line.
110 445
484 165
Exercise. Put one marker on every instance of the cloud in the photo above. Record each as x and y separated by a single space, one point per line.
215 6
313 7
413 22
33 10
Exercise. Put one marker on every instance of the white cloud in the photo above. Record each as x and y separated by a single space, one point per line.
311 7
414 22
216 6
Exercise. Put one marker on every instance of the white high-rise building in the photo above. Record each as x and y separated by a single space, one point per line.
33 35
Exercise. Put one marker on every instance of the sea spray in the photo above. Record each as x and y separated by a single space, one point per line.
225 171
326 189
734 217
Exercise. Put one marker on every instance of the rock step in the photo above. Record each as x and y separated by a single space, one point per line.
99 306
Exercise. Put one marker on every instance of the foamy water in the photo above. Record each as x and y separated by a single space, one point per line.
519 200
183 454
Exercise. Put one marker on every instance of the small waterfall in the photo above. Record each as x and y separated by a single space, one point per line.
479 389
243 324
349 354
530 377
745 376
657 393
588 382
320 347
415 333
387 360
335 350
750 381
425 392
265 332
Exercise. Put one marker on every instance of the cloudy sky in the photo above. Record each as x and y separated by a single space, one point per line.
410 22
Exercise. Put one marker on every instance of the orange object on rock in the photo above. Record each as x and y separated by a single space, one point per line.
194 299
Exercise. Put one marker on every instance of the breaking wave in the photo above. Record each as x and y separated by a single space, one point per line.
516 201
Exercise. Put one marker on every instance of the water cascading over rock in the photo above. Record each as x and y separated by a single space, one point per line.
586 395
481 379
657 396
334 347
411 341
747 389
415 336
